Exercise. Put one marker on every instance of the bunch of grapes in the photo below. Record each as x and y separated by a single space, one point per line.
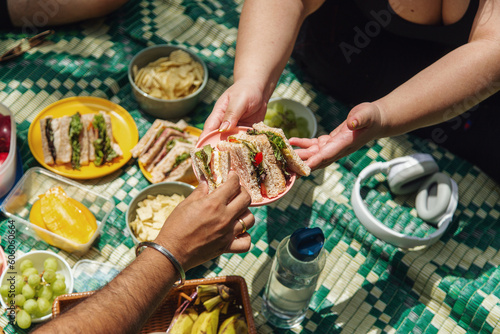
278 116
34 292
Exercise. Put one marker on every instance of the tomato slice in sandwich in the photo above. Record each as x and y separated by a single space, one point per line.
257 159
263 190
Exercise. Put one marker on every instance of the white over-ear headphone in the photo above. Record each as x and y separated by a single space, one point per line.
436 201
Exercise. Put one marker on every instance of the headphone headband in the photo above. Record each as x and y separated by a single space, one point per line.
381 231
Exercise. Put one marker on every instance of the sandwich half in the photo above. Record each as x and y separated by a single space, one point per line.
211 164
275 181
47 133
281 144
154 134
253 167
175 166
101 137
55 140
61 139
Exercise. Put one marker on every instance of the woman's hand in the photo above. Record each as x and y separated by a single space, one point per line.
243 104
363 124
204 226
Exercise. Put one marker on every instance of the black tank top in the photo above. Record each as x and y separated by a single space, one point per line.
453 34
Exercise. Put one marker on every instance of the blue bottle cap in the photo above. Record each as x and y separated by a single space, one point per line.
306 243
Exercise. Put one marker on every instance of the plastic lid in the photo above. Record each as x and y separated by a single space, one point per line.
306 243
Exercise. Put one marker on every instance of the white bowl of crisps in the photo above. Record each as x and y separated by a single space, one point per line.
261 155
167 80
38 277
149 209
57 210
296 119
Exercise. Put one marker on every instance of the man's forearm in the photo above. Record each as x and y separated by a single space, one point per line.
124 305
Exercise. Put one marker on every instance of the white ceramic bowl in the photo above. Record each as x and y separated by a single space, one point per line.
38 257
299 110
8 167
163 188
161 108
37 181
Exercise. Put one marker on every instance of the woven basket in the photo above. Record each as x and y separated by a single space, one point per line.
161 318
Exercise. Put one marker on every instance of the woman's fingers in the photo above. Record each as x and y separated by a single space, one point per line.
215 118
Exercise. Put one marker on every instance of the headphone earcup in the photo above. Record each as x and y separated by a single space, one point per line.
407 177
434 197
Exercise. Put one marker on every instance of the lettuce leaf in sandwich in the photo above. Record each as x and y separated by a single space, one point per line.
75 128
103 150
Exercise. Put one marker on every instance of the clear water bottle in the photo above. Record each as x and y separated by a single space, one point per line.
299 260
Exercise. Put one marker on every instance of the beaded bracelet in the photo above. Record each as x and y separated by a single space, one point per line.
169 256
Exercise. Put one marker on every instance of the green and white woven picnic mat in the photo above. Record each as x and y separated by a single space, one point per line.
367 286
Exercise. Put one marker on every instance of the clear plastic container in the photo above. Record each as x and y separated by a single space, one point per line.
8 167
36 181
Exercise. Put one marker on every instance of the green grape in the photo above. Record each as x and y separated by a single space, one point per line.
49 276
302 123
31 306
267 122
58 286
294 133
43 305
28 291
277 121
25 264
50 263
303 127
19 284
34 280
10 301
280 108
30 271
4 290
287 133
45 292
61 277
20 299
304 133
23 319
289 115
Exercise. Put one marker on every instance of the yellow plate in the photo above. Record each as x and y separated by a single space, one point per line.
124 131
191 130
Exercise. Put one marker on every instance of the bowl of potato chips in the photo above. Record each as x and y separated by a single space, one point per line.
167 80
149 209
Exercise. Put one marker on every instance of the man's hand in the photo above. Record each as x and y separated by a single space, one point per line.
206 225
363 124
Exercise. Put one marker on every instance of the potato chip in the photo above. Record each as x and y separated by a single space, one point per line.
180 57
